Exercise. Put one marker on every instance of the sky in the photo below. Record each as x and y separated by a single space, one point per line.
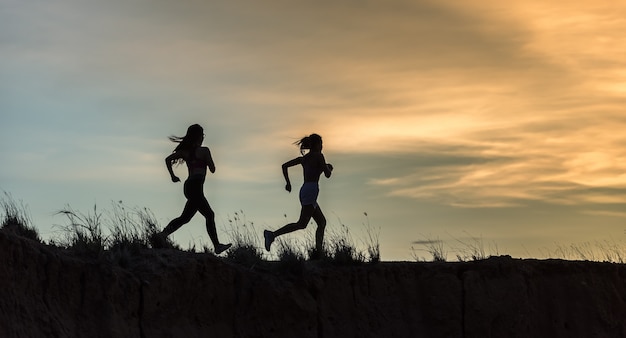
444 120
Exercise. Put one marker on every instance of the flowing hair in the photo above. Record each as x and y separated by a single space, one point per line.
309 142
186 142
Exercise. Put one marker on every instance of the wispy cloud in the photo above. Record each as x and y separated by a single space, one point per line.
511 170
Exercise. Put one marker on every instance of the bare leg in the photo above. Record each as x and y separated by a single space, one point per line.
305 216
209 215
186 216
319 218
196 202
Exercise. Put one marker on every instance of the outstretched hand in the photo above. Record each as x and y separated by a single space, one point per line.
288 187
175 179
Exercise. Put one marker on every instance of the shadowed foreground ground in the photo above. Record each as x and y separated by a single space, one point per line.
45 292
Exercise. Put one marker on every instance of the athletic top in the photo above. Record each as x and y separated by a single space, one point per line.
313 166
196 166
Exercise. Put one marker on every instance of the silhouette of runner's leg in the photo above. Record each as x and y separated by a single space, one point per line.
318 217
188 212
209 215
305 216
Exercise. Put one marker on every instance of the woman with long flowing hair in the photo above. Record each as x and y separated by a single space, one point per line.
190 151
313 165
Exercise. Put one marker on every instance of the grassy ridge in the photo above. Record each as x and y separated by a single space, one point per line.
119 233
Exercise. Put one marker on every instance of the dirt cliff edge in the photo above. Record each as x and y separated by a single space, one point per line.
46 292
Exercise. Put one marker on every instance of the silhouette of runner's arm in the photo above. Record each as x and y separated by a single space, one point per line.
205 154
168 162
286 165
327 168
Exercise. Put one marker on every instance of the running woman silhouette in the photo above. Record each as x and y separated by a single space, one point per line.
313 165
197 158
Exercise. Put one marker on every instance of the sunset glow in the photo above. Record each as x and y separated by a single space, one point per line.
440 116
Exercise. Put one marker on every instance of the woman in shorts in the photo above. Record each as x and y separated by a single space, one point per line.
313 165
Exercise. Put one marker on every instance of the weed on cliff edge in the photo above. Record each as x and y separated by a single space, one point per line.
83 232
246 249
291 255
598 251
470 248
434 247
341 248
16 219
116 234
372 241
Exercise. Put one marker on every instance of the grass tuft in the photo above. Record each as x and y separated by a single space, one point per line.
290 251
246 249
128 231
16 219
83 233
474 249
434 247
341 248
599 251
372 241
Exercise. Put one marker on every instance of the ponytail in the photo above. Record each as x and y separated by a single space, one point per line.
309 142
304 143
187 142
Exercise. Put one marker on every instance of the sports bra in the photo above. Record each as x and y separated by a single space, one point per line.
196 166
